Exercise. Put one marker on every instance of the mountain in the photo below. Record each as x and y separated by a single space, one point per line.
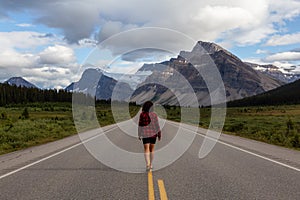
284 75
240 79
286 94
95 83
19 81
70 87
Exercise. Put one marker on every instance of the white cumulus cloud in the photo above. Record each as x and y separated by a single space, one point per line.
57 77
287 39
284 56
13 59
57 54
23 40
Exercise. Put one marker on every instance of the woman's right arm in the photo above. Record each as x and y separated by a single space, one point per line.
139 128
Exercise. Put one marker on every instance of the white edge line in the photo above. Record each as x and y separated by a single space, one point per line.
55 154
260 156
243 150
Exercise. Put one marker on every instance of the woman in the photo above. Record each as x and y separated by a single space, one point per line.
148 131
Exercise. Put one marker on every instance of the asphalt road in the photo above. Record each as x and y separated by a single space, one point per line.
236 168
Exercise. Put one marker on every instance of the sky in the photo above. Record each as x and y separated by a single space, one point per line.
50 42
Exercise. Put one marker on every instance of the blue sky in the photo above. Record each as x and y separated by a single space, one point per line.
48 42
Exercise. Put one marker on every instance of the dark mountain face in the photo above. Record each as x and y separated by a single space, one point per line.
95 83
240 80
19 81
70 87
283 95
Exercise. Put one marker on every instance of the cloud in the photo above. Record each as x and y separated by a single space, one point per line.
251 21
125 67
46 35
48 76
277 40
280 11
20 49
43 58
296 50
147 55
77 19
143 39
57 77
24 25
57 54
86 42
260 51
13 59
24 40
284 56
55 66
113 27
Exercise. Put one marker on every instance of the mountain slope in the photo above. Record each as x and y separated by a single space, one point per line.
286 94
95 83
240 80
19 81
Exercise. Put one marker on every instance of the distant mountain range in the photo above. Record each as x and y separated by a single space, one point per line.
241 79
283 75
19 81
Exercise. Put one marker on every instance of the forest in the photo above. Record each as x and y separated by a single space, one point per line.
11 94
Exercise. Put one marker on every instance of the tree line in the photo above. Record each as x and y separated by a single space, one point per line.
12 94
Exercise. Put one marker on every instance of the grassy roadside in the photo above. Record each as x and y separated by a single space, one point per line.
22 126
279 125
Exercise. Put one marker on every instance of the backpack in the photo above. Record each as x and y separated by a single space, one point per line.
145 119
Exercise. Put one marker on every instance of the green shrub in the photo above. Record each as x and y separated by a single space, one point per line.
3 115
295 141
25 113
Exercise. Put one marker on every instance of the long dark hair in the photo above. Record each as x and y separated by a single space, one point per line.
148 106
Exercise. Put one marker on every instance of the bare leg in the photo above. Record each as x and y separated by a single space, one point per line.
147 154
151 154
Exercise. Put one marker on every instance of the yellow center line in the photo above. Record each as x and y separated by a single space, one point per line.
162 190
150 186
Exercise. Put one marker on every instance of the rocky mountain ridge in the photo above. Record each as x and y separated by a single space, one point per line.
97 84
284 75
19 81
240 80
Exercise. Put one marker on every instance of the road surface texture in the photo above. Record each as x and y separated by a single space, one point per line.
236 168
